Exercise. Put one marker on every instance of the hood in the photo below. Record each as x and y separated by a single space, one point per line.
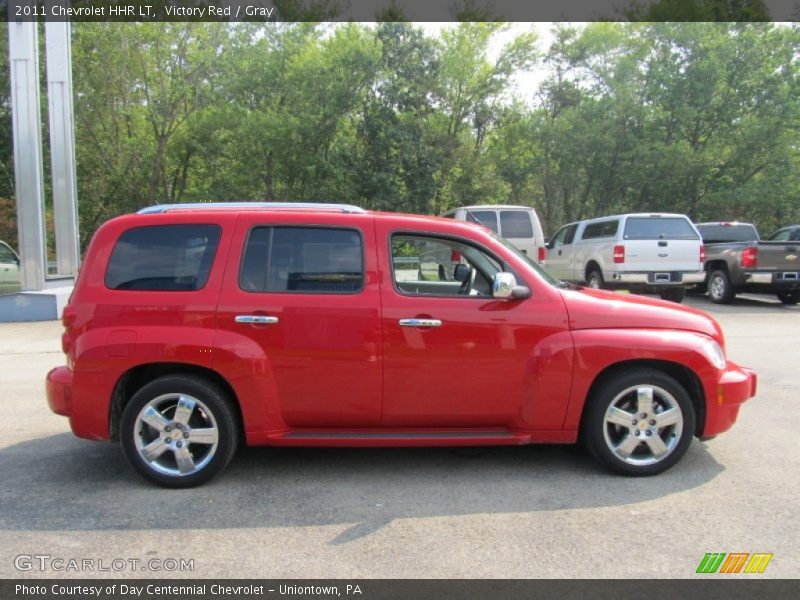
599 309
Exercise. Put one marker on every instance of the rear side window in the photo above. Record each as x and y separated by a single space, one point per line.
713 234
659 228
515 224
487 218
303 260
163 258
601 229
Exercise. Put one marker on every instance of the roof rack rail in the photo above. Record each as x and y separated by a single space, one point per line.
162 208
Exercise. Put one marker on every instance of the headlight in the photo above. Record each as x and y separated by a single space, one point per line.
714 353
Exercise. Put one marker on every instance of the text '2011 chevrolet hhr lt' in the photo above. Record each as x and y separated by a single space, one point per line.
194 329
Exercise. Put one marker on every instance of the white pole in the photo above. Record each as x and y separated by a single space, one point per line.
62 145
26 115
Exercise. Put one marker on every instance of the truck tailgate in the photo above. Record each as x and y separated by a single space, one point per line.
779 256
661 244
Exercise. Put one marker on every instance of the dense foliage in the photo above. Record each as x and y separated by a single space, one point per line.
698 118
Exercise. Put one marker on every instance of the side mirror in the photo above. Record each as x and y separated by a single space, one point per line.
550 244
504 286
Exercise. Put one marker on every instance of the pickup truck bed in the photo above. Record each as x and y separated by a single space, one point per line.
738 261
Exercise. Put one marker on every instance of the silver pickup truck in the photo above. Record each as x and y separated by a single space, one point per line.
737 260
655 252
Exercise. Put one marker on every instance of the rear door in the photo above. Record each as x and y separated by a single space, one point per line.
661 244
516 225
299 309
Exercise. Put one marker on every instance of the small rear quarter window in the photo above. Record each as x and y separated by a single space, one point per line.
163 258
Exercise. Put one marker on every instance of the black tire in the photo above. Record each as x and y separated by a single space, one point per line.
675 294
211 409
720 288
603 439
790 297
595 279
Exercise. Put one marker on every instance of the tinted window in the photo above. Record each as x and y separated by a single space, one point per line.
163 258
487 218
6 255
659 228
565 235
601 229
727 233
516 224
302 260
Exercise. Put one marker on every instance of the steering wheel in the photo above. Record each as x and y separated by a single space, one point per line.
468 283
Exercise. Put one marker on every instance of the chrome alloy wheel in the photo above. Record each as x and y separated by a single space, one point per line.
717 287
643 425
176 435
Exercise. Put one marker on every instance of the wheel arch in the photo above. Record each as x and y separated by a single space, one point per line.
681 373
592 265
137 377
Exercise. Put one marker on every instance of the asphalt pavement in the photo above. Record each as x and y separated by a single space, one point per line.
535 511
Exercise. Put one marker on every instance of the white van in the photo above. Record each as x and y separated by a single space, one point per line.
518 224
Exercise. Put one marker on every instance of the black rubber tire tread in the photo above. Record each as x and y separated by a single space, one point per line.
729 293
602 395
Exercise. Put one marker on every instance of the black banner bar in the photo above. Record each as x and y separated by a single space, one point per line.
728 588
405 10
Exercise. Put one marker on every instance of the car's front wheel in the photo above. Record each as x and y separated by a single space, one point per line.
639 423
179 431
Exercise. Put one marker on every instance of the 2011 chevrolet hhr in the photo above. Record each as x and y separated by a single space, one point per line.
196 328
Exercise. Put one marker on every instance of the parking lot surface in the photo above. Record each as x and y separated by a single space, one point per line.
534 511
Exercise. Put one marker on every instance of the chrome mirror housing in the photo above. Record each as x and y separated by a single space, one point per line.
503 285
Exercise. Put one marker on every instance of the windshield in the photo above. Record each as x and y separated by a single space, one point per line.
527 259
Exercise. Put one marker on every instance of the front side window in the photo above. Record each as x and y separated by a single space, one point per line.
6 254
515 224
431 266
564 236
163 258
781 236
303 260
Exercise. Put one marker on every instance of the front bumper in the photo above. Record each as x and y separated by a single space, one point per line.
667 278
59 391
724 399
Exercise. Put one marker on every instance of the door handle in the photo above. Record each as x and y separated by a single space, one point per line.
559 252
420 323
256 319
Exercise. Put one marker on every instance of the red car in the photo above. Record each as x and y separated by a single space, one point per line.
196 328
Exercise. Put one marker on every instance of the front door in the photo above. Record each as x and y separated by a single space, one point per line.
561 256
454 357
300 306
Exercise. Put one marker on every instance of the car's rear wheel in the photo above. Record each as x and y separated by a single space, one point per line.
720 288
639 423
595 279
179 431
676 294
789 296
